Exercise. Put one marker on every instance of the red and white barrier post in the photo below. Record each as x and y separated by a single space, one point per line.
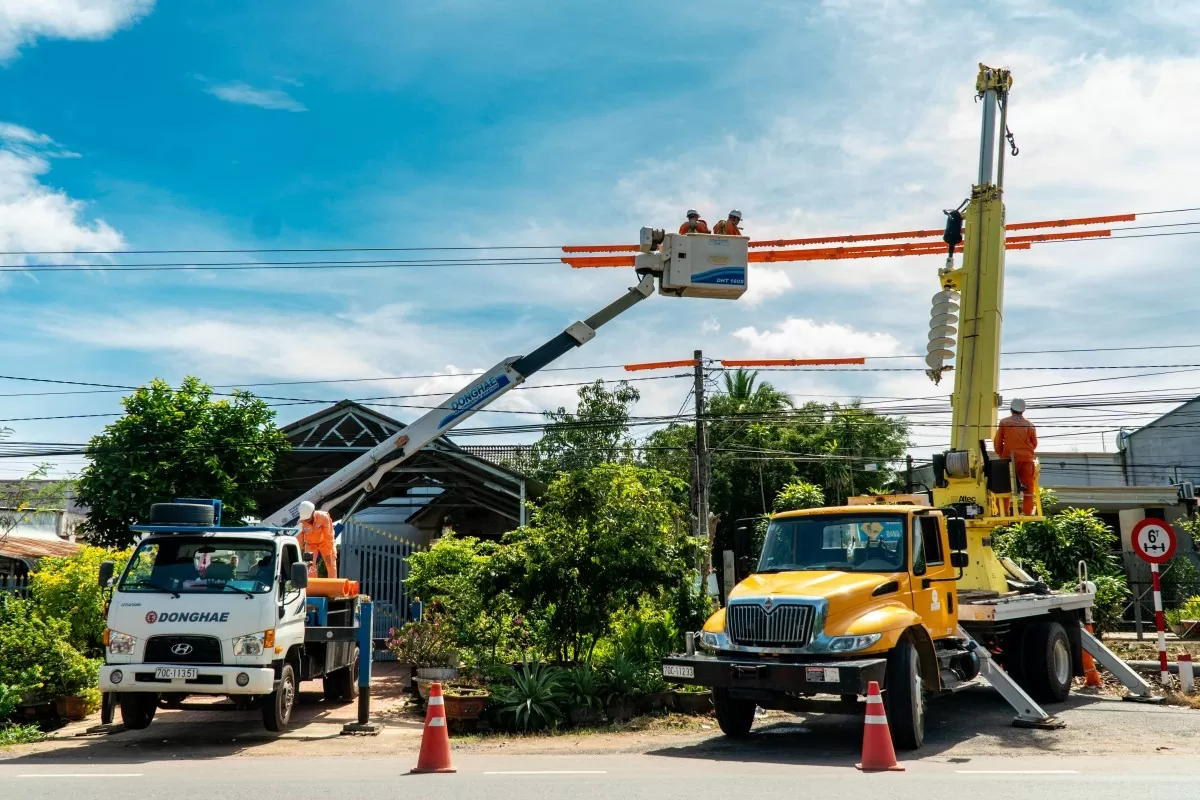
1160 625
1186 679
1154 542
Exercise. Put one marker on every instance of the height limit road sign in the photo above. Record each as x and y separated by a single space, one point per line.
1154 541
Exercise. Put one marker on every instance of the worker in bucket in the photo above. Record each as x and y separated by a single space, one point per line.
316 536
729 227
1016 438
694 224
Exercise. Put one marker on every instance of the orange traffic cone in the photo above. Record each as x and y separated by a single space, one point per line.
878 754
435 741
1090 676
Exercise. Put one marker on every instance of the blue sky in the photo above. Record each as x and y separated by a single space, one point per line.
131 124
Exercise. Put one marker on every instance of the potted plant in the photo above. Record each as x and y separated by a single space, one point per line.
693 699
622 687
465 702
71 687
583 689
655 694
430 647
532 700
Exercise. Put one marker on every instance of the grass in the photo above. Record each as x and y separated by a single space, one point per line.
20 734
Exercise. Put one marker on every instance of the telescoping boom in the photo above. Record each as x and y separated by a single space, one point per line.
694 265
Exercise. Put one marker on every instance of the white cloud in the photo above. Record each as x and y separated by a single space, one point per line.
24 21
246 95
796 337
765 283
34 216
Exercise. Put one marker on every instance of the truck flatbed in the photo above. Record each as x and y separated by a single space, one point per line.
1004 608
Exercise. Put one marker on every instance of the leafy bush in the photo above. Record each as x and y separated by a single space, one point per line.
428 643
66 588
797 495
1190 610
12 694
531 701
20 734
1180 580
583 688
1112 593
28 641
622 679
645 634
1052 548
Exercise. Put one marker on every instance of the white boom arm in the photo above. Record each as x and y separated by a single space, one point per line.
680 278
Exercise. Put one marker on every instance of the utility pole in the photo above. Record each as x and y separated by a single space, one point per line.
702 532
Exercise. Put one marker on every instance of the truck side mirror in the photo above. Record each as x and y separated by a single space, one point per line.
956 531
959 560
106 573
743 543
299 575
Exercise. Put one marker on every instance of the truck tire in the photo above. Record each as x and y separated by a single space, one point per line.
1046 663
734 715
277 706
342 684
137 709
181 514
904 696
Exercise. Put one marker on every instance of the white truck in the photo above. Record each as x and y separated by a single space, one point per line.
202 609
211 610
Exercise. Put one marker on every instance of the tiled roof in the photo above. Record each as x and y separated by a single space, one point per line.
25 547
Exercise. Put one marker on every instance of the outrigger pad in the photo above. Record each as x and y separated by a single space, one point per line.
361 729
1047 724
1148 699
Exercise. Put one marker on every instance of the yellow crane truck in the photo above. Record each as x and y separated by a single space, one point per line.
897 590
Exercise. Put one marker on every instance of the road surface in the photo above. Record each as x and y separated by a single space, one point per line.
605 777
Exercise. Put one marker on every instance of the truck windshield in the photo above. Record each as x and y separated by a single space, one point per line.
197 565
841 542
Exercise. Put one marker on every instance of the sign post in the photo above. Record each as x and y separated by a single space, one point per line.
1154 542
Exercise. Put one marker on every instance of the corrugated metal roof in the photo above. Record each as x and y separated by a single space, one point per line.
24 547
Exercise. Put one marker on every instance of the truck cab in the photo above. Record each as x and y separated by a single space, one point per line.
211 610
844 596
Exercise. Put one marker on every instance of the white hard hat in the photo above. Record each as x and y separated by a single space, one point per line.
735 214
306 510
1018 406
693 212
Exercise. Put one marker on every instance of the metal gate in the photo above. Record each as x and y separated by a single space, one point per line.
378 560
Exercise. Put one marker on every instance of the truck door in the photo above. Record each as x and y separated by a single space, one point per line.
933 595
290 628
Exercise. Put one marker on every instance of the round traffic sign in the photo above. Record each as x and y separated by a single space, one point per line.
1154 541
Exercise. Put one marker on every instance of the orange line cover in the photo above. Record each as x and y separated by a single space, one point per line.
689 362
792 362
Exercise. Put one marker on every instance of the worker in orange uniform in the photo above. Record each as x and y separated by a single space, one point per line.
729 227
1016 438
694 224
316 536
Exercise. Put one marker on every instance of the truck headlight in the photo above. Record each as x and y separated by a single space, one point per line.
121 644
251 645
710 641
852 644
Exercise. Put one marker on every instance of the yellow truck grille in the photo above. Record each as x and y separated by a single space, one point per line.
783 624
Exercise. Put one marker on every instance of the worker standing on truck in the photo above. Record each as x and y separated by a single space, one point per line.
729 227
1016 438
694 224
316 536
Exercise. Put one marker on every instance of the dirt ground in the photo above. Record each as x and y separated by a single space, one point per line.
974 722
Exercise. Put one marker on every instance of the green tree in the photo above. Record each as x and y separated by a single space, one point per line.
743 394
599 540
798 495
66 588
597 432
175 442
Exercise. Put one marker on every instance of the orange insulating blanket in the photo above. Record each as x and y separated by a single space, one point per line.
332 587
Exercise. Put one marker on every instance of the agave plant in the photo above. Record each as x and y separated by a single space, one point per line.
584 688
532 701
623 678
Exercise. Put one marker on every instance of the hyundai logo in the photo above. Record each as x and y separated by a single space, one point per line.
182 649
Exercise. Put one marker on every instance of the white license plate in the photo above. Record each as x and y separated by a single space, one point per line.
174 673
678 671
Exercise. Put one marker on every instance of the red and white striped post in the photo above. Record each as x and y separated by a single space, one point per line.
1159 623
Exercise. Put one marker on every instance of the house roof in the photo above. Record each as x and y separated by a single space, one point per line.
27 549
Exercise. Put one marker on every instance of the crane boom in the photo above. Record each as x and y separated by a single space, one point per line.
685 266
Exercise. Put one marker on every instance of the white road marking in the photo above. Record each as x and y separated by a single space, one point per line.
1017 771
82 775
549 772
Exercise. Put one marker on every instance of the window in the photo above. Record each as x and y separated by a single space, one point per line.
932 540
836 542
290 556
200 565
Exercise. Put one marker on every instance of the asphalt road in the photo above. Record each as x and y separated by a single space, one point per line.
608 777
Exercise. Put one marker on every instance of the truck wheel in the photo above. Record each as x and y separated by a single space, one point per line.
1047 662
277 706
734 715
904 696
137 709
342 684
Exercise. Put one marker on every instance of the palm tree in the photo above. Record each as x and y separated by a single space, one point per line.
744 395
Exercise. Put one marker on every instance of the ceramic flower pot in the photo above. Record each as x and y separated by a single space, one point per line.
693 702
442 674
